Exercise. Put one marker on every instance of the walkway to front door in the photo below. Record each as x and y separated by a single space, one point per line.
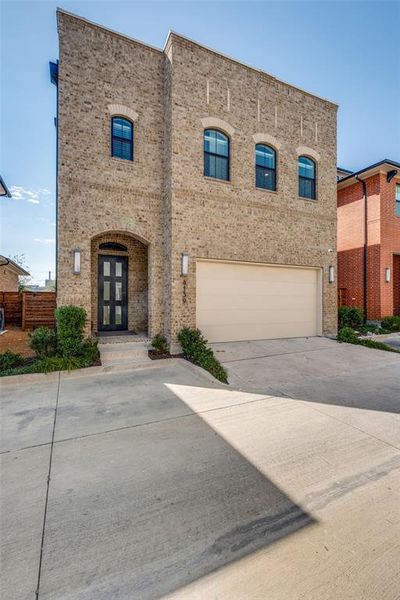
113 293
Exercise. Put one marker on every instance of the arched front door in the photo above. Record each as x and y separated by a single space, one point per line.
112 293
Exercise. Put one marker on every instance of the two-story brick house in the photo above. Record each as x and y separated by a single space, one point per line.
369 239
192 190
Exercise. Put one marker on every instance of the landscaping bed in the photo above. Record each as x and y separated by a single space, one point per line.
62 349
352 330
195 349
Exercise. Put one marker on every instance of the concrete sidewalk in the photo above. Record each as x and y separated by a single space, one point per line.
166 484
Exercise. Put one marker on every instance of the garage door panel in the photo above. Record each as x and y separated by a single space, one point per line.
242 301
258 302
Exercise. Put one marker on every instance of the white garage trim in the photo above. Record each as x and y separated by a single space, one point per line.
238 300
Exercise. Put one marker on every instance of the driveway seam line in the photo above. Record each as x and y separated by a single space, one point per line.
47 491
224 362
184 416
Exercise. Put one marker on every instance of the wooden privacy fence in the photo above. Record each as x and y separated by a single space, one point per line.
28 309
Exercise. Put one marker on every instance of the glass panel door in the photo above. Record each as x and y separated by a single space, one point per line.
113 293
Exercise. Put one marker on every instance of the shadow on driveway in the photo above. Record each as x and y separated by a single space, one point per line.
141 511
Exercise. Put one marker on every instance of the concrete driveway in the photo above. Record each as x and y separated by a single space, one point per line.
159 483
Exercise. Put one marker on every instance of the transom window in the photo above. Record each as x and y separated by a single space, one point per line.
307 171
121 138
265 167
216 154
113 246
398 199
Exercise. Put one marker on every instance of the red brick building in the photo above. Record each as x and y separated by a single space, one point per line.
369 239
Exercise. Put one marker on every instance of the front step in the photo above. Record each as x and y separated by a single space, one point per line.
124 353
122 339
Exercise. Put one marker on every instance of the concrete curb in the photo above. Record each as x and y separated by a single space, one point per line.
32 378
382 336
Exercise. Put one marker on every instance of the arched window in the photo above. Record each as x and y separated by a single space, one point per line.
265 167
121 138
307 170
113 246
216 154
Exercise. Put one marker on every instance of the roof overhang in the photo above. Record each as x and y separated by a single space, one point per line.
10 264
4 191
384 166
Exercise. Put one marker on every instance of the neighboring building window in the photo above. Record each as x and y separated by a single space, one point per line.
398 199
121 138
265 167
216 154
307 170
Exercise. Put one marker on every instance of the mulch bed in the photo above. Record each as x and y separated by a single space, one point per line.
16 340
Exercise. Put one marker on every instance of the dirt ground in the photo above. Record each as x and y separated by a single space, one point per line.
15 340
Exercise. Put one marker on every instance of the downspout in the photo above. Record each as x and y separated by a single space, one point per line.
365 275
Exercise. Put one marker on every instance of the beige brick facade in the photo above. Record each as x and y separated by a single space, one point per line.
161 203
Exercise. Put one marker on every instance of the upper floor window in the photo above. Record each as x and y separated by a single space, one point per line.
265 167
398 199
121 138
307 171
216 154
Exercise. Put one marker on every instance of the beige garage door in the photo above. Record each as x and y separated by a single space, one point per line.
253 302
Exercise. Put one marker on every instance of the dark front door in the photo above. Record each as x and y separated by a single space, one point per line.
113 293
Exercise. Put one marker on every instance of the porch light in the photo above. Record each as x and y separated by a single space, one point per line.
387 274
331 274
77 262
184 264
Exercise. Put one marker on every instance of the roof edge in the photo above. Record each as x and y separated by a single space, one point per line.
239 62
385 161
10 263
200 45
113 31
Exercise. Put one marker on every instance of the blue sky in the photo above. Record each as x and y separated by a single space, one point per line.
345 51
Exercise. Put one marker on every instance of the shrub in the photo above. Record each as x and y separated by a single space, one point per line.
159 343
43 341
89 352
391 323
194 348
350 316
10 360
70 323
192 342
347 334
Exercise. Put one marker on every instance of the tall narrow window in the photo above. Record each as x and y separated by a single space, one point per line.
216 154
398 199
121 138
307 170
265 167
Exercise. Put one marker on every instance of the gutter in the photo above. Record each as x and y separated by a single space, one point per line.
365 274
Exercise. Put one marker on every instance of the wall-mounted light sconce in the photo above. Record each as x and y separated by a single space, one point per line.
331 274
387 274
77 262
184 264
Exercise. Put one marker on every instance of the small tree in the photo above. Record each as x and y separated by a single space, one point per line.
23 280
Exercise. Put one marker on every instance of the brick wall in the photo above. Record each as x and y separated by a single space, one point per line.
383 231
8 280
162 198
